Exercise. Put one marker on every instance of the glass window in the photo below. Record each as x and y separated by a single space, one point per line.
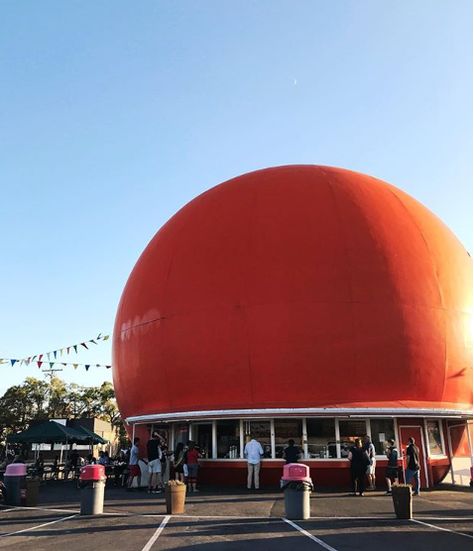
228 439
349 430
260 430
202 436
181 433
321 438
286 429
434 437
382 430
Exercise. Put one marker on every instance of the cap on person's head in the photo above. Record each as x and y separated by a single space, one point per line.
391 441
155 435
411 440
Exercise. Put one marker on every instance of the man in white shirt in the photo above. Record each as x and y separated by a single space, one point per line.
253 452
133 466
370 449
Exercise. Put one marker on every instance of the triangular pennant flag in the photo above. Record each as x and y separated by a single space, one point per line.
92 340
99 336
61 351
22 362
3 361
75 366
75 348
51 365
68 348
105 337
48 354
55 352
97 365
40 357
63 364
13 362
108 366
84 345
87 367
39 364
28 361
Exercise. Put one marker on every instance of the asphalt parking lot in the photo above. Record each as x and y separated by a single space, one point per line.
234 520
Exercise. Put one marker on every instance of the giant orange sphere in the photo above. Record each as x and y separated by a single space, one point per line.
296 287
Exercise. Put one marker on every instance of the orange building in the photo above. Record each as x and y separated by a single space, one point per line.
302 302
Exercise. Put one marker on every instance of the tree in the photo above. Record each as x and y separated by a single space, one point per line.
36 400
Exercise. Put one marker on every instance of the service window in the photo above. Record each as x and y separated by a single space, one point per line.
435 442
260 430
287 429
181 433
349 430
202 436
228 439
321 438
381 430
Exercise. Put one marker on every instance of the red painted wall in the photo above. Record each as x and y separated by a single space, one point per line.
439 468
325 474
298 286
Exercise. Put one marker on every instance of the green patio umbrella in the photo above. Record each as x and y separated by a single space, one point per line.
49 432
91 436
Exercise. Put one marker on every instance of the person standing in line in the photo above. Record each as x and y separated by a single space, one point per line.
179 457
413 465
165 463
391 474
133 466
154 464
253 452
291 453
359 460
370 449
191 460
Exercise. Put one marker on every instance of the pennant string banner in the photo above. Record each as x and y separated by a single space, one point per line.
30 359
39 363
38 358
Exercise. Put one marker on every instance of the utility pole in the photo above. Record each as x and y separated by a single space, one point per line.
50 373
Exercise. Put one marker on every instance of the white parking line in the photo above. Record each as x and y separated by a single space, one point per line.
6 510
19 508
306 533
392 518
213 517
440 528
444 518
156 535
36 527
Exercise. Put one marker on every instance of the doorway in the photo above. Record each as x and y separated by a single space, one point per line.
414 431
460 454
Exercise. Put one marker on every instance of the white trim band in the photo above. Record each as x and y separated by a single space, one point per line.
269 412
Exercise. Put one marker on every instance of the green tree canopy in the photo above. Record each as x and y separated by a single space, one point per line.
36 400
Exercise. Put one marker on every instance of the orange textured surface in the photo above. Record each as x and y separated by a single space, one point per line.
296 286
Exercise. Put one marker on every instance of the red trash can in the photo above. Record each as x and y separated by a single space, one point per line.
92 483
297 486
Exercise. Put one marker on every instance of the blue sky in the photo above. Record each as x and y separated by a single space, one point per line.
115 114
